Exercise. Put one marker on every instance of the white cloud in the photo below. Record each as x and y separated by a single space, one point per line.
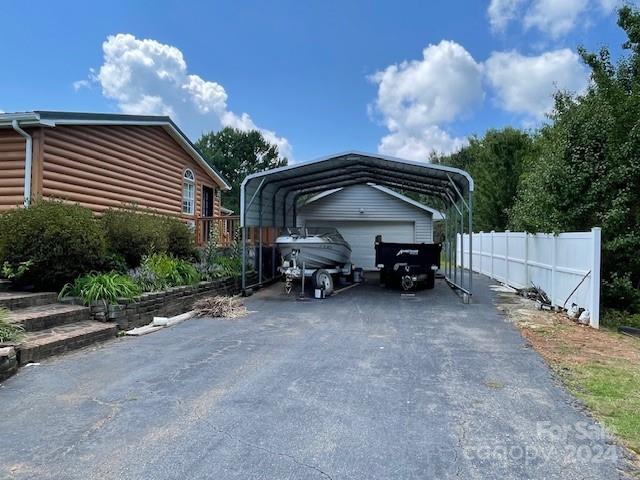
555 17
419 147
552 17
148 77
609 5
525 85
416 97
502 12
80 84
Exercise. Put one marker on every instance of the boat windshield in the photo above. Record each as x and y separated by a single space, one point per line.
313 232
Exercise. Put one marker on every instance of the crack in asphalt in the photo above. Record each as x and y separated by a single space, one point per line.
295 460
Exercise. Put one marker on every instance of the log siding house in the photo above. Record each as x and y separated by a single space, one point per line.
106 160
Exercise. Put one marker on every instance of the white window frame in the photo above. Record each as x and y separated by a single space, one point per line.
188 192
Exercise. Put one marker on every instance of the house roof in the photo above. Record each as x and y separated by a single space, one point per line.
53 118
437 215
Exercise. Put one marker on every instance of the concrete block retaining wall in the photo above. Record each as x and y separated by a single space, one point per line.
138 311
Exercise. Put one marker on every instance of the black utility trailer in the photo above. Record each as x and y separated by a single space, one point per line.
409 266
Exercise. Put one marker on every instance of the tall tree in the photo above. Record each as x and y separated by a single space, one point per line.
236 154
587 171
495 162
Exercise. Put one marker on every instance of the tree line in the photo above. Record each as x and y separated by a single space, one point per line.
580 170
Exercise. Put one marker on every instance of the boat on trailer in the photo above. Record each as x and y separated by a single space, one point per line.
315 247
318 253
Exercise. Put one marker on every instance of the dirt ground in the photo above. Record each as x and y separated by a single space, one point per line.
571 349
578 344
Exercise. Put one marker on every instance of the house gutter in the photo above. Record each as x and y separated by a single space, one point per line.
28 161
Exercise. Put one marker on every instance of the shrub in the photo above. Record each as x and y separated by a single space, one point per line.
133 234
216 262
160 270
179 238
58 240
104 287
615 318
8 331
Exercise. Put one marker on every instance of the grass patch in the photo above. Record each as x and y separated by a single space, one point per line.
614 318
8 331
612 392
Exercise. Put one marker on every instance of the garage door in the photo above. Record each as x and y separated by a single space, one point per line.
361 235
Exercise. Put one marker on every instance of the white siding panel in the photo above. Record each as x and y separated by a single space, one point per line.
361 236
363 202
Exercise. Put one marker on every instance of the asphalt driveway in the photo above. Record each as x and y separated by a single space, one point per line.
364 385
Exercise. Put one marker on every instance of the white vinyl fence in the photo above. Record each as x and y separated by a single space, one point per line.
559 264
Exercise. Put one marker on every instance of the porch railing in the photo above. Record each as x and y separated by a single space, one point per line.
225 228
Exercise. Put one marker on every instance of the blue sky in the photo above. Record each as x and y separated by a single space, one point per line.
318 77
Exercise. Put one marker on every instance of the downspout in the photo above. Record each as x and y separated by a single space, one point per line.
28 161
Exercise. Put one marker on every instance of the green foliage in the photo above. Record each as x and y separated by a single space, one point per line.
586 172
216 262
236 154
114 262
133 233
12 272
180 238
59 240
101 287
615 318
160 271
9 332
495 161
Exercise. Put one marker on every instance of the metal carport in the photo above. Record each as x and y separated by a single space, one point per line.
268 202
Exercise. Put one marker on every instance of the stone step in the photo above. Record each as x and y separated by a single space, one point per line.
41 317
57 340
17 300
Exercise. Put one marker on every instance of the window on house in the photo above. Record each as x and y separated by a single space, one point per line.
188 192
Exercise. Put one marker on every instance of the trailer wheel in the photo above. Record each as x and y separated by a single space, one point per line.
322 279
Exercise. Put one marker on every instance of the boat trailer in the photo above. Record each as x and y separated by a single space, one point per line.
321 278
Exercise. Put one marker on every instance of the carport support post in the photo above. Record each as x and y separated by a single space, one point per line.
450 243
470 207
461 245
273 240
244 257
260 240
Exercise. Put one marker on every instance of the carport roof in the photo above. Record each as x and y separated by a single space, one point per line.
267 197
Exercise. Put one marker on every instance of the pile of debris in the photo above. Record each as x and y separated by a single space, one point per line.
536 294
220 306
543 302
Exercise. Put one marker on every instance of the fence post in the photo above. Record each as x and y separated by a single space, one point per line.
554 256
506 257
526 260
481 234
596 238
492 232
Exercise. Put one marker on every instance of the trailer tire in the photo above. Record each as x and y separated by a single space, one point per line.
431 280
322 279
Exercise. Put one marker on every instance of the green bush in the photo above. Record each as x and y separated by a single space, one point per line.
8 331
60 240
216 262
160 270
615 318
104 287
179 239
133 234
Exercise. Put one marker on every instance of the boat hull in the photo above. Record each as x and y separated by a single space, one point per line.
315 254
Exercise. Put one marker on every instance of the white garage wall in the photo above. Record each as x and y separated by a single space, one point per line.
375 204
